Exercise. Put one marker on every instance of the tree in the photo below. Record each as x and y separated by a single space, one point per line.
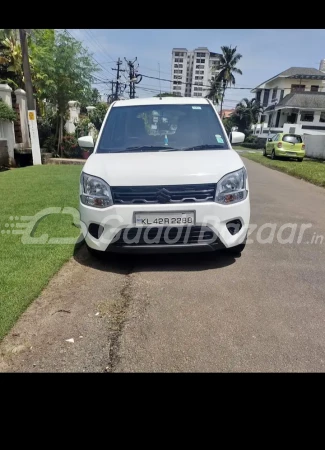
61 69
214 93
225 77
67 74
249 110
97 115
167 94
11 66
41 46
95 97
41 51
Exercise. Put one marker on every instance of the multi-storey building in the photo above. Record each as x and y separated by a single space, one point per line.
192 71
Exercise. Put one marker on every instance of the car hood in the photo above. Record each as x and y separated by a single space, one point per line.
162 168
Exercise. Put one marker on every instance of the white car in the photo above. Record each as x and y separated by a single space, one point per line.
148 189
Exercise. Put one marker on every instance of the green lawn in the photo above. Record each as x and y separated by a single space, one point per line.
309 170
25 269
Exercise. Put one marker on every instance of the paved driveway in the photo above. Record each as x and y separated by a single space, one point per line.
264 311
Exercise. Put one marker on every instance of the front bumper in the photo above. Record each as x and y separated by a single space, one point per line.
211 215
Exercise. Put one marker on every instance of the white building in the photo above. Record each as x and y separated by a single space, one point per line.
193 70
293 101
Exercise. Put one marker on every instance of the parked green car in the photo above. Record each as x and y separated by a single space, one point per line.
285 145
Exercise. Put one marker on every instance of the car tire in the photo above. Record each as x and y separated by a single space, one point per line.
273 156
96 253
300 159
264 152
236 250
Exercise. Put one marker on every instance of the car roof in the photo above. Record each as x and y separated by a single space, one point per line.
161 101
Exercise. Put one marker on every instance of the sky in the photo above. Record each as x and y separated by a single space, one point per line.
265 53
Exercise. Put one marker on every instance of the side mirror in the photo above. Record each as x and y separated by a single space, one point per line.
269 139
86 142
236 137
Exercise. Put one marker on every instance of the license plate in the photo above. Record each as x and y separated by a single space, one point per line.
164 219
291 154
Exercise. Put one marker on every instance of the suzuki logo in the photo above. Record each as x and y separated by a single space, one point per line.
163 196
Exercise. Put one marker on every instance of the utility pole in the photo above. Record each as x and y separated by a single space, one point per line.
112 94
159 79
133 77
117 86
110 97
33 130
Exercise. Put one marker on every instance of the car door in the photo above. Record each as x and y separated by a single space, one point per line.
279 138
270 145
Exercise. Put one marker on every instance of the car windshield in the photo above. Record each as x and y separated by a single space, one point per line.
154 128
292 138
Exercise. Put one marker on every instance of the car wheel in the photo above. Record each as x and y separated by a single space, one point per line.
264 152
273 154
300 159
237 249
96 253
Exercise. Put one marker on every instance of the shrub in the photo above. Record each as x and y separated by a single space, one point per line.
252 145
50 144
44 130
82 128
69 146
6 112
98 114
86 128
252 139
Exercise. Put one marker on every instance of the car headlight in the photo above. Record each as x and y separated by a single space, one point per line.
95 192
232 187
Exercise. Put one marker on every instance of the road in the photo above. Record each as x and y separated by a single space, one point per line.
261 312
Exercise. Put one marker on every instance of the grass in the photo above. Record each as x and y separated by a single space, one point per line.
309 170
25 269
246 149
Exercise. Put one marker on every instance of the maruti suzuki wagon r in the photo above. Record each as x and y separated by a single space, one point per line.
163 177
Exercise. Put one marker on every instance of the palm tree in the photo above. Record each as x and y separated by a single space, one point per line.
11 58
214 92
249 110
225 77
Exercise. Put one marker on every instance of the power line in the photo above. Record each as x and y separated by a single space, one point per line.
100 79
154 70
193 84
102 51
90 55
150 90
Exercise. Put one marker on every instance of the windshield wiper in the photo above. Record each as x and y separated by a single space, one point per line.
202 147
143 148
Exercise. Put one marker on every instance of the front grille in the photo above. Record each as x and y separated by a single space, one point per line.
186 193
163 236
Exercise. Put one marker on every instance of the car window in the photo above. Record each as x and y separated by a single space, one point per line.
275 138
292 138
162 127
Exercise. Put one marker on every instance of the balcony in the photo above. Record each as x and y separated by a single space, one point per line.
262 130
